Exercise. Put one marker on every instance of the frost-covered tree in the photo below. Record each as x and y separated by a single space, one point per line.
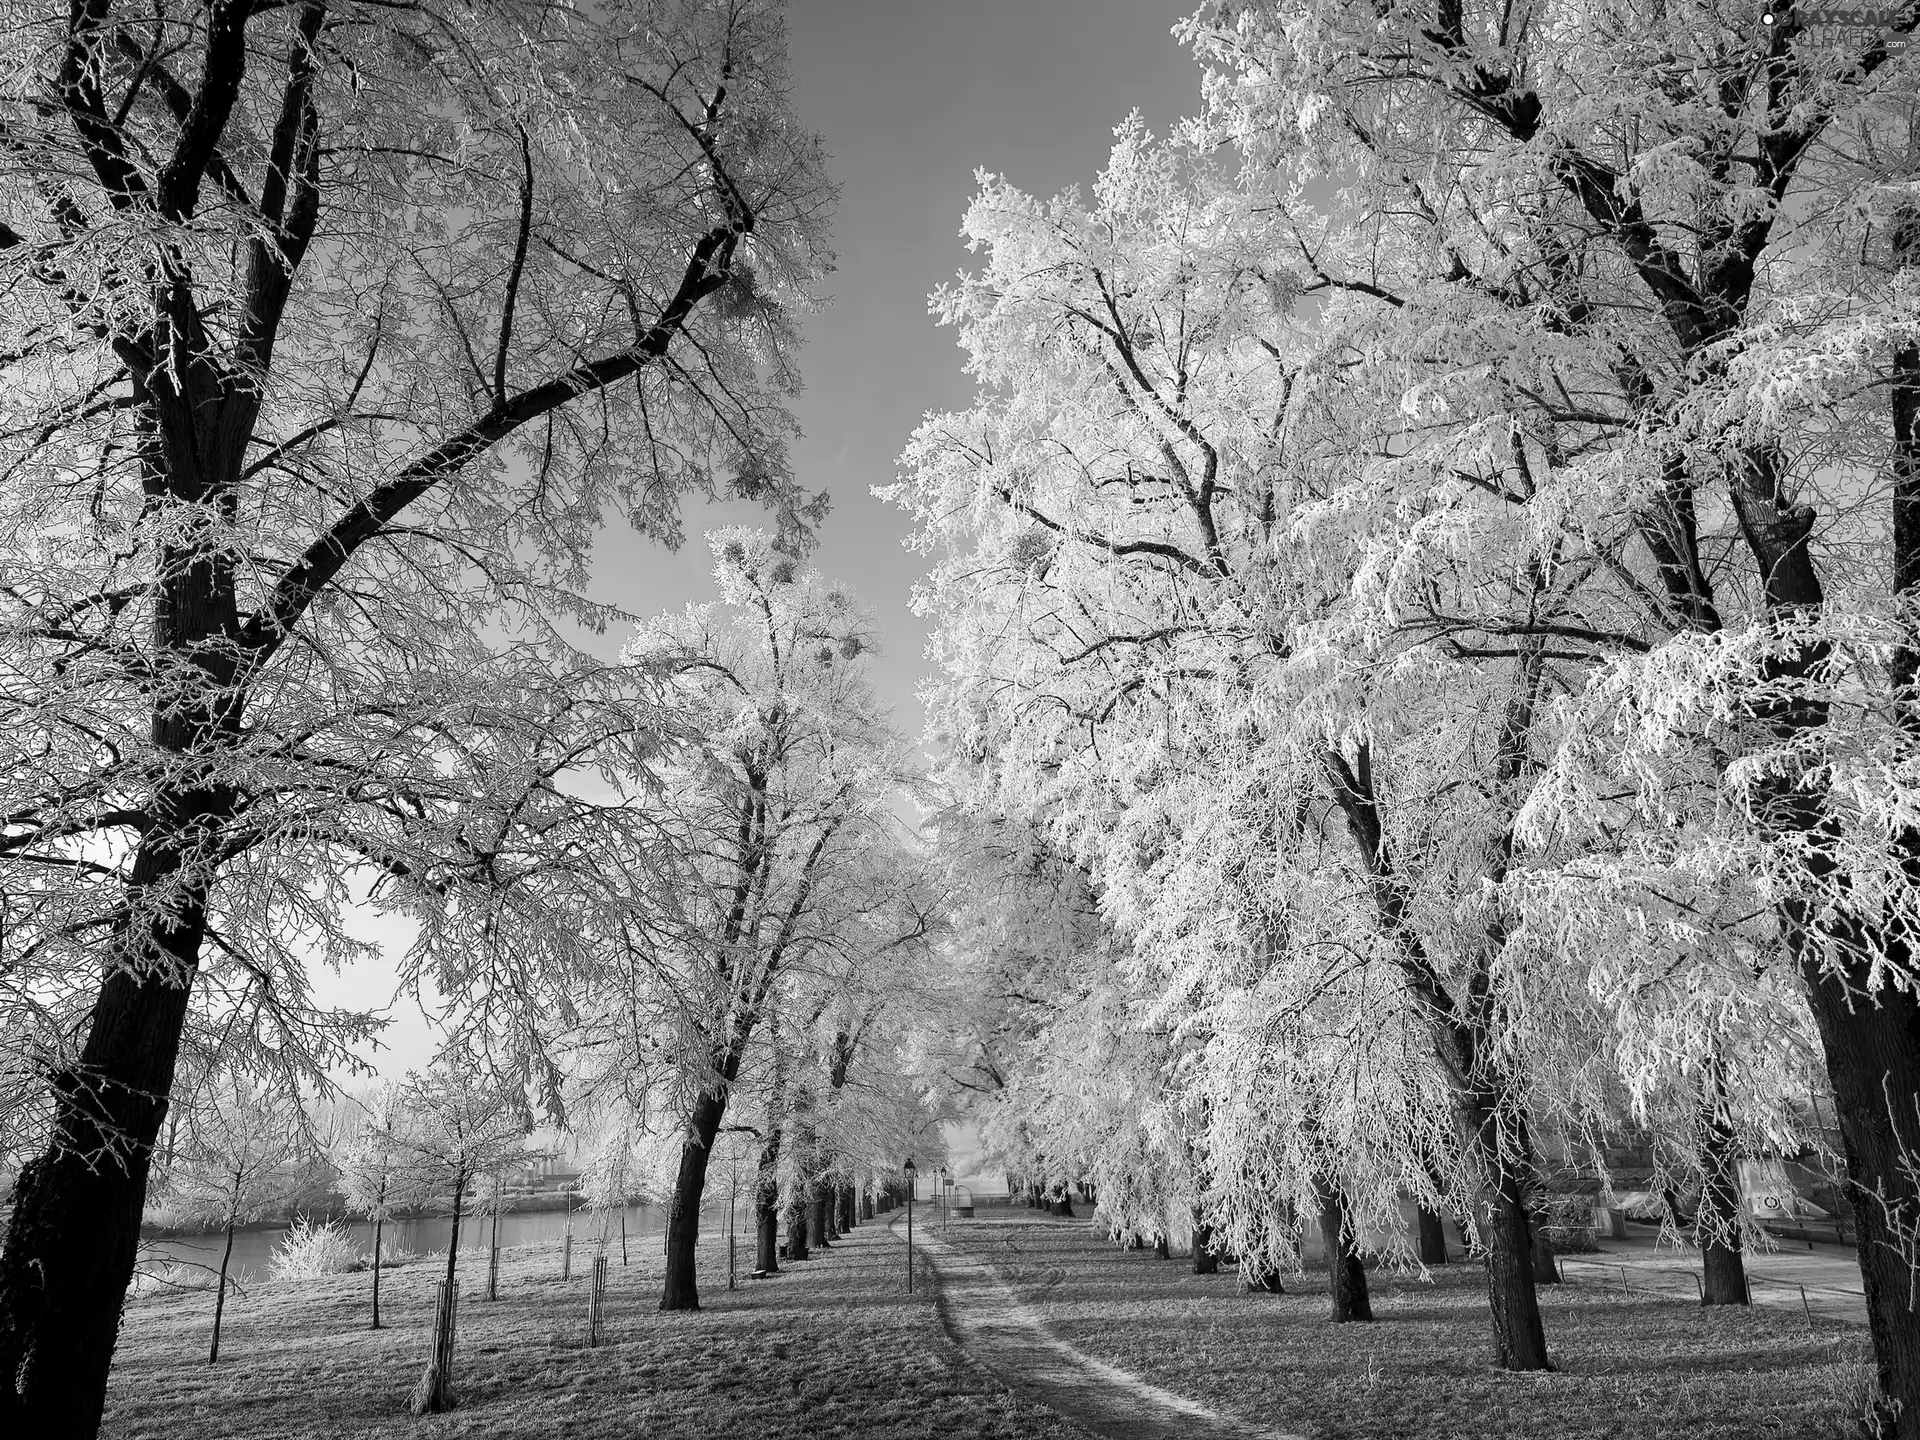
1167 562
236 1165
1724 209
776 820
377 1166
332 330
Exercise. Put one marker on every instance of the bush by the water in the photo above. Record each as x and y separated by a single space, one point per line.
308 1251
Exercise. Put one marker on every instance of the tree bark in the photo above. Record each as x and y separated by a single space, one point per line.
797 1226
1493 1145
866 1204
1346 1276
1546 1269
74 1234
1433 1237
1205 1262
1160 1250
1519 1339
681 1290
379 1223
766 1206
1263 1279
1718 1223
453 1238
220 1296
817 1217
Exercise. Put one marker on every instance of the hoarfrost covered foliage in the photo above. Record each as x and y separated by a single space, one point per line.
310 1251
1448 588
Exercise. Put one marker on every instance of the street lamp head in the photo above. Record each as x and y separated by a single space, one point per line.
908 1168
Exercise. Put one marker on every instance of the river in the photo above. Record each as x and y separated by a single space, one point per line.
195 1259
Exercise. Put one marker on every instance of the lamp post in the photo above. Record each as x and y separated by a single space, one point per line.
946 1181
908 1170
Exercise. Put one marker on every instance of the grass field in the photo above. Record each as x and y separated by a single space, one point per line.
1647 1367
834 1348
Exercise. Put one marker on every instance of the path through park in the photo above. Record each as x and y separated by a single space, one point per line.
995 1328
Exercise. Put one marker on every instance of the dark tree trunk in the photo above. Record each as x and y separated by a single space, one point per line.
849 1208
766 1206
1519 1339
1463 1046
493 1258
1873 1051
816 1218
1263 1279
220 1296
1546 1269
1718 1223
1205 1262
866 1204
1433 1238
681 1290
379 1224
1346 1276
453 1238
74 1234
797 1226
1160 1250
1136 1241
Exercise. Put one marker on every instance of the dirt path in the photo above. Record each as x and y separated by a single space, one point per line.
994 1327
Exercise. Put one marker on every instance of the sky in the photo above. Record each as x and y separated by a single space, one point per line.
912 98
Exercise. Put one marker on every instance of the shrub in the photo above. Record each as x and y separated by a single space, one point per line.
308 1251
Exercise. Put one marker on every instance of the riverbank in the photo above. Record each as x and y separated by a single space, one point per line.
833 1347
185 1261
332 1209
1653 1366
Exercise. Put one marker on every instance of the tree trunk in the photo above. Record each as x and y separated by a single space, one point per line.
866 1204
680 1290
1160 1251
1263 1279
1433 1238
766 1206
453 1239
493 1257
1873 1053
379 1223
1136 1241
1346 1276
1519 1339
1205 1262
1463 1045
220 1295
797 1225
1546 1269
74 1234
1718 1223
816 1218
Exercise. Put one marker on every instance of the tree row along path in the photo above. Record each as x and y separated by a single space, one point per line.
991 1324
